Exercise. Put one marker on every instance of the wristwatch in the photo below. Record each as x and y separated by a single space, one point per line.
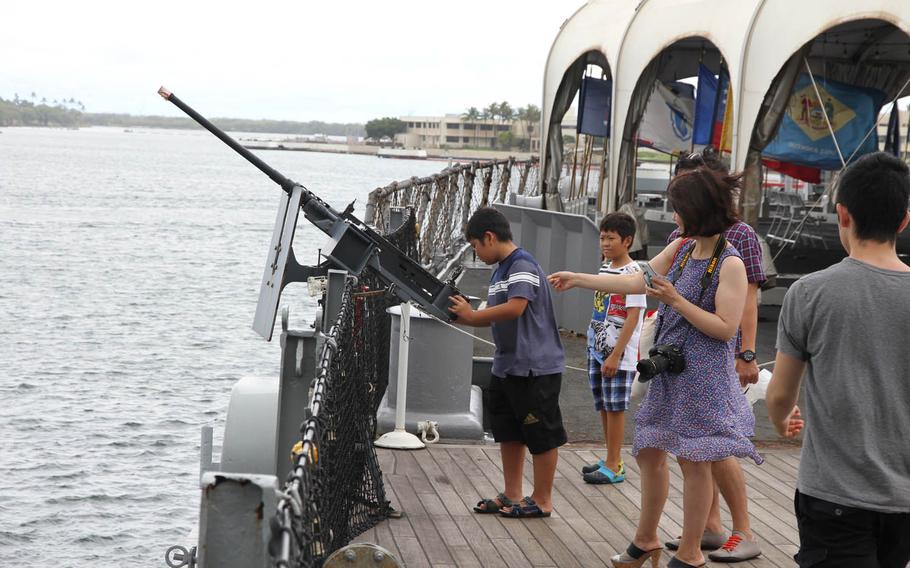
748 355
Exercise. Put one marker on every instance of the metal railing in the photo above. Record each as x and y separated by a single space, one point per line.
444 202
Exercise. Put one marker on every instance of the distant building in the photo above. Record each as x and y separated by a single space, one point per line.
453 131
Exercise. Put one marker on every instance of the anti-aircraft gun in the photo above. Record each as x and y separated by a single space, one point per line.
353 247
242 490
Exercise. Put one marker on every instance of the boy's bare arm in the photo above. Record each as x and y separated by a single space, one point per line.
783 392
480 318
627 330
611 364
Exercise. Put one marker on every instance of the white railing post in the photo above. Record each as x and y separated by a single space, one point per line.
401 439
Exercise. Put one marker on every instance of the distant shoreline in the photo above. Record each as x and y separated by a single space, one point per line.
25 113
370 150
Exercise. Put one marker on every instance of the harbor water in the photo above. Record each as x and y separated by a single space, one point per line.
130 264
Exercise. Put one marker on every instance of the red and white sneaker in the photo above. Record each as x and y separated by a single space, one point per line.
737 548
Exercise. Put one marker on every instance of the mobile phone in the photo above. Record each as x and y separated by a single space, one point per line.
649 274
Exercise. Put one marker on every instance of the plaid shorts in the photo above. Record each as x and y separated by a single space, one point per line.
610 393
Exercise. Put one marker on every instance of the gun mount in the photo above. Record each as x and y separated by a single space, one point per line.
354 245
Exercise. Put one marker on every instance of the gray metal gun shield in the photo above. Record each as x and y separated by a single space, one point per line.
276 263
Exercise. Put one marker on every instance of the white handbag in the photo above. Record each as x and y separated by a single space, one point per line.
645 342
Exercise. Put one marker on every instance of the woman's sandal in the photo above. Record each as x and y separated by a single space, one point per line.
634 557
677 563
491 506
524 509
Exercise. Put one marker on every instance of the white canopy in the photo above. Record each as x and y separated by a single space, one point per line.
756 39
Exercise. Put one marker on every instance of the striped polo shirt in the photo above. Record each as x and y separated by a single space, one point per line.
529 344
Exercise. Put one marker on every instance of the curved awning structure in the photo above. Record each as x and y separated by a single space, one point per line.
757 39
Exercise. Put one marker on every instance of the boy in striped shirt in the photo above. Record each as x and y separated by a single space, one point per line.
613 346
527 365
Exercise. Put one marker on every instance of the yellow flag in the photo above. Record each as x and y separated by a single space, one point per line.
726 133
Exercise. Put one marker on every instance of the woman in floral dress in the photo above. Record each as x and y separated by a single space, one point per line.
699 414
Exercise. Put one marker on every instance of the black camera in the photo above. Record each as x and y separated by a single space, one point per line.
662 358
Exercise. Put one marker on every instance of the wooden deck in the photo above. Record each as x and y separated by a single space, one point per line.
437 488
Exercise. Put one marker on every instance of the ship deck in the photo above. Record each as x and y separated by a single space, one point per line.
436 490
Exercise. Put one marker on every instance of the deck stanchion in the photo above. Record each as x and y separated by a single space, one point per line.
401 439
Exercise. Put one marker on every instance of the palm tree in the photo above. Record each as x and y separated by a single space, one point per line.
505 111
529 115
473 115
532 115
490 113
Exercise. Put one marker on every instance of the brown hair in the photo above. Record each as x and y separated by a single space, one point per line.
703 199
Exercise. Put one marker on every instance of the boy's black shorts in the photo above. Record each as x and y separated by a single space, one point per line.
837 536
526 410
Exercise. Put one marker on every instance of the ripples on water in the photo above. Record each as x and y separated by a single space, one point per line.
129 271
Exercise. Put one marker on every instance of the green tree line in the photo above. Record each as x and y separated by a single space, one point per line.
529 115
70 113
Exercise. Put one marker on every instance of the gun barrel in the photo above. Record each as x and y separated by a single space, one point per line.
268 170
358 245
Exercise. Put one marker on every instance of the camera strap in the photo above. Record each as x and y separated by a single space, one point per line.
706 278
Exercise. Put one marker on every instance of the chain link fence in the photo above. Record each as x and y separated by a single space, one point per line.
335 490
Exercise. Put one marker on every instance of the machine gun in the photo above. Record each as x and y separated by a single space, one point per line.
353 246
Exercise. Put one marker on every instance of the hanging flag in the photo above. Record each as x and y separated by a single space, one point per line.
710 106
725 144
893 134
594 107
806 173
804 136
685 90
667 123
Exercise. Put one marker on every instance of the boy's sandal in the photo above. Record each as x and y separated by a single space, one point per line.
605 475
591 468
526 508
490 506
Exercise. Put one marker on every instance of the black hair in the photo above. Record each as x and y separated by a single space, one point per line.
875 190
488 219
703 199
620 223
708 158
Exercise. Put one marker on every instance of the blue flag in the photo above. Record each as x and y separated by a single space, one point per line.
594 106
804 137
710 105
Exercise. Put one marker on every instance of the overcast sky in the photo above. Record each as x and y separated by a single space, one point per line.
332 60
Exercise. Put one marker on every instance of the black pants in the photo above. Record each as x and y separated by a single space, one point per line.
834 536
526 410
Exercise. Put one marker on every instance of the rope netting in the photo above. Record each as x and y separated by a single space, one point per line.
335 490
444 202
